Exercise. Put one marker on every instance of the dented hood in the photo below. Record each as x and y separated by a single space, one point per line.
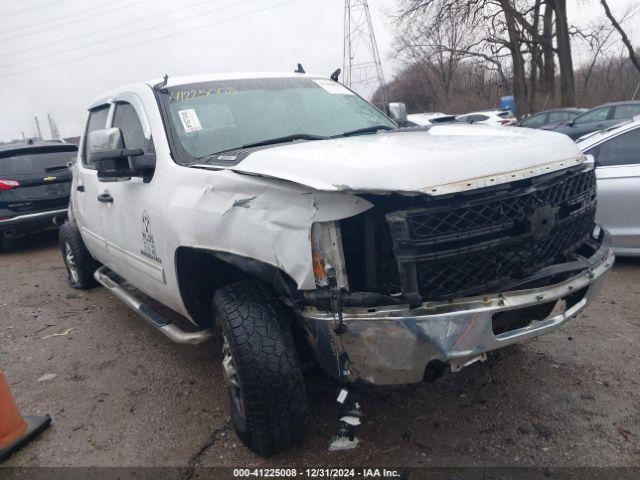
445 159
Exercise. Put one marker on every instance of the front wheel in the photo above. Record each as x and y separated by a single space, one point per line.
267 397
79 262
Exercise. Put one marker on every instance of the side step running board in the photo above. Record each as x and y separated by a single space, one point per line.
150 315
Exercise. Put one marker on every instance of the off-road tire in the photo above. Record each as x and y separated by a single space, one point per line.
85 264
256 326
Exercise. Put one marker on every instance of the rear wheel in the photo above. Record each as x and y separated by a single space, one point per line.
267 397
77 259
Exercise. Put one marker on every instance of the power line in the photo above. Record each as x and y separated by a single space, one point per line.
30 9
118 37
44 112
143 42
63 17
39 30
113 27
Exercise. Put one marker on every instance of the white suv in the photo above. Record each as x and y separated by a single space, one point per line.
493 118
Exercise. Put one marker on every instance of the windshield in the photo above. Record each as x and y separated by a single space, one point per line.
212 117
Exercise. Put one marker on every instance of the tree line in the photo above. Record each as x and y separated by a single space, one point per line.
462 55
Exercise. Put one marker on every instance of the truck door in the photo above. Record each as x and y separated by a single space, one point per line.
86 188
618 173
134 224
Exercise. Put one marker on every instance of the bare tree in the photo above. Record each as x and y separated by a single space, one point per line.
549 69
625 39
436 46
523 31
565 59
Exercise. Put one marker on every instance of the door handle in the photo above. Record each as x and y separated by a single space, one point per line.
80 188
105 198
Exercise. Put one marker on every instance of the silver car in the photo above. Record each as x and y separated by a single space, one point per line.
617 154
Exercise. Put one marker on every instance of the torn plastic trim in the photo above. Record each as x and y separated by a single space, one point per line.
502 178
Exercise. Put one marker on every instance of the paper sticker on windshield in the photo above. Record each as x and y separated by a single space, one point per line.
189 119
334 88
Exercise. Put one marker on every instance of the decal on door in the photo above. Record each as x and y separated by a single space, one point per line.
149 243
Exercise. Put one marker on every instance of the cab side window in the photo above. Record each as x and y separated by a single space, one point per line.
127 120
621 150
97 121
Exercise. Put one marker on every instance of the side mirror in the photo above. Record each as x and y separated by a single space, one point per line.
398 112
105 149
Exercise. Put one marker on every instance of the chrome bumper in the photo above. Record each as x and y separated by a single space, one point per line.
393 345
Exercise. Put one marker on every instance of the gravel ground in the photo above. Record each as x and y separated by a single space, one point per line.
124 395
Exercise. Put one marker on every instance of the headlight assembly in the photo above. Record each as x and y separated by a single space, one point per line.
326 249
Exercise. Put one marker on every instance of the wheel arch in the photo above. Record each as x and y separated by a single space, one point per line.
200 272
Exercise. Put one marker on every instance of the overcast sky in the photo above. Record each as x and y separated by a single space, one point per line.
57 55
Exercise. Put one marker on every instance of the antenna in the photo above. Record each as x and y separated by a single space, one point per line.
361 65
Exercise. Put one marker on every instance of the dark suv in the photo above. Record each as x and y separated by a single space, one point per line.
34 186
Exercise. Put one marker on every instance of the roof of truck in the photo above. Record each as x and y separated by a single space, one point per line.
187 79
212 77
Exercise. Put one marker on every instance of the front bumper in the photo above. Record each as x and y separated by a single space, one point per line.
31 222
393 345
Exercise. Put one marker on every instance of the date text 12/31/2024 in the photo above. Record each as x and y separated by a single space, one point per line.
316 473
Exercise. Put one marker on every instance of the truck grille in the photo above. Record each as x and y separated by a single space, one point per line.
479 245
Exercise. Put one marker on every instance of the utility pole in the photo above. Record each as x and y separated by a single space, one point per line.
361 63
38 131
55 134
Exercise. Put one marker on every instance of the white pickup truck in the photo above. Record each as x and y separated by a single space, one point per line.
308 227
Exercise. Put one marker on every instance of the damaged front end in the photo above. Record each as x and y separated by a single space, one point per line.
418 281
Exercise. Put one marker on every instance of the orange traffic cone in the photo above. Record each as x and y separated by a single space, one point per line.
15 430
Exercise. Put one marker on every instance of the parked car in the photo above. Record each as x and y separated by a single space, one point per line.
34 186
550 119
599 118
494 118
426 119
617 156
308 227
